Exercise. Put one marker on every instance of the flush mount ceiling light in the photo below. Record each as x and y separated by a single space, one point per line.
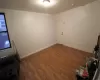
48 1
44 3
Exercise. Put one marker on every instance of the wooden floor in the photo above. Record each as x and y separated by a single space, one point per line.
55 63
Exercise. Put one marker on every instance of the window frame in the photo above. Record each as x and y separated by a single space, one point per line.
1 13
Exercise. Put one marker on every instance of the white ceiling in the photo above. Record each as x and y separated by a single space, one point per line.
33 5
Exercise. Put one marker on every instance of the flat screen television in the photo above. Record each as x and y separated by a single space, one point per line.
4 35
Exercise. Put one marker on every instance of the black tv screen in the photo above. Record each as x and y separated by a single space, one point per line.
4 36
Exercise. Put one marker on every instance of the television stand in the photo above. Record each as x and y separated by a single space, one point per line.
9 67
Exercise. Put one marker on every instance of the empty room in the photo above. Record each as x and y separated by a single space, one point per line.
49 39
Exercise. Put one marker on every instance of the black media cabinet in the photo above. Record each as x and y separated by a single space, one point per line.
9 67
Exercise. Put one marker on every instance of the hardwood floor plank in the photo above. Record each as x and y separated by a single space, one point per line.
55 63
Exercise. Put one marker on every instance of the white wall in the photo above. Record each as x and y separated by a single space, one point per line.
80 26
30 31
35 31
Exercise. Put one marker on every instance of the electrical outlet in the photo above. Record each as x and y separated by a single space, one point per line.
62 33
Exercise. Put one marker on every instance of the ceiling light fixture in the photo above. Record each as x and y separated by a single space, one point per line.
46 2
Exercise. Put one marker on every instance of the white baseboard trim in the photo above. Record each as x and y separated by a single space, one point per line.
37 50
77 48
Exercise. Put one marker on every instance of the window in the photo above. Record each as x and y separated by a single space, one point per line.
4 38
